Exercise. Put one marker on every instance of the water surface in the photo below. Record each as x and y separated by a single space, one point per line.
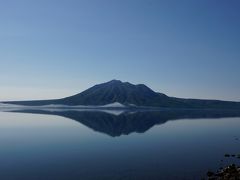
98 145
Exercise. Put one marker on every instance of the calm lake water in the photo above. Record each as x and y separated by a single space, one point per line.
98 145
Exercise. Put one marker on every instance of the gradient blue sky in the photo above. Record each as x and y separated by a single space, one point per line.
56 48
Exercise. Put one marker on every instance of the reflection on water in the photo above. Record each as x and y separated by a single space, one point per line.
168 144
116 123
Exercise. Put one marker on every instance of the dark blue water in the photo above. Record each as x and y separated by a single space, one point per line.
94 145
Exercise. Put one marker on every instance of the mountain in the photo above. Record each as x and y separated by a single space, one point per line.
128 94
115 91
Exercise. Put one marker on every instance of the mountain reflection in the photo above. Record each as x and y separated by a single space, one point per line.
117 124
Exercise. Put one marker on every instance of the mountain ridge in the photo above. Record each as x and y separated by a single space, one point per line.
125 93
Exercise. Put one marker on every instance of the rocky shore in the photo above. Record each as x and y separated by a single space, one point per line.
231 172
227 172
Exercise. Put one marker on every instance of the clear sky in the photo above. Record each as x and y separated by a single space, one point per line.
56 48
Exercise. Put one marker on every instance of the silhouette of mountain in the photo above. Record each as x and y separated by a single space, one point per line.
129 122
128 94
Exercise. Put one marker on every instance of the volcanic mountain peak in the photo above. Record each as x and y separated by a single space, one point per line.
127 94
113 91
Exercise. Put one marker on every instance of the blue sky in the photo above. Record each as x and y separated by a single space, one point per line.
56 48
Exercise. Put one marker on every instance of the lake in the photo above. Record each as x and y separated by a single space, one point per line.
70 144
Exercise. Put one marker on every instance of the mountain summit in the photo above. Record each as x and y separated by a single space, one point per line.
125 93
114 91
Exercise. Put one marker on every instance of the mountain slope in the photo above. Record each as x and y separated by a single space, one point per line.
129 94
114 91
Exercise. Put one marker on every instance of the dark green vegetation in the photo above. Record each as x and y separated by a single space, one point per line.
129 94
